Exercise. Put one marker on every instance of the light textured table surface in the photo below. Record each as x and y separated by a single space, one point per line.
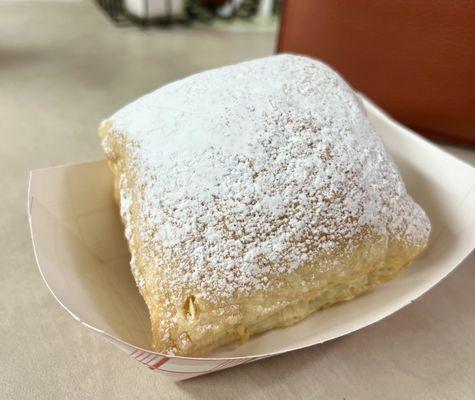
63 67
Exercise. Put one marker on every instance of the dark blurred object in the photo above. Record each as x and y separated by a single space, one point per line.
416 59
165 12
113 8
212 2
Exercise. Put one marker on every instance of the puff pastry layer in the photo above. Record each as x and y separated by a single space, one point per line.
253 195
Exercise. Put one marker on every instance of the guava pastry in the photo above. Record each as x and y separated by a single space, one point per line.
253 195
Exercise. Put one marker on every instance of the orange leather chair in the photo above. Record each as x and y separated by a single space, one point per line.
416 59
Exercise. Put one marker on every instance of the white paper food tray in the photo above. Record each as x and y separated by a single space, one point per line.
82 255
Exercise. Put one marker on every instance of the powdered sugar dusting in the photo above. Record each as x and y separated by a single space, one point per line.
246 172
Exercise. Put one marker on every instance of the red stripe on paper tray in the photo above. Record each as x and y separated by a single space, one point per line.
223 365
159 363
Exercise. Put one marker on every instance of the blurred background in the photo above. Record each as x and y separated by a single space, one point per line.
67 64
